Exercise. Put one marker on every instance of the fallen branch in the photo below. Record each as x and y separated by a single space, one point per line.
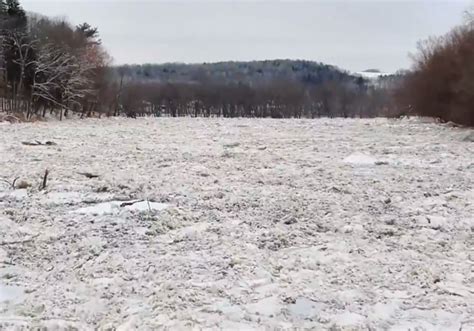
24 241
10 118
39 143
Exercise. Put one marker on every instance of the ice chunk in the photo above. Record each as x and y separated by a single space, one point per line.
360 159
10 293
115 207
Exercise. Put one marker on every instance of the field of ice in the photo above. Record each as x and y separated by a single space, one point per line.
244 224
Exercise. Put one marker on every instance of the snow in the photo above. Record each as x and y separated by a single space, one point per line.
14 194
360 159
242 224
115 207
142 206
59 198
9 293
105 208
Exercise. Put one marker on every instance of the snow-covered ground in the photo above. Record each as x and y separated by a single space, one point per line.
237 224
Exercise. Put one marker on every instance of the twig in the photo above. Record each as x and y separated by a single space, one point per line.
14 181
128 203
45 179
88 175
27 143
12 184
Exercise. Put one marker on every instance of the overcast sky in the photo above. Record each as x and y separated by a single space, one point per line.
351 34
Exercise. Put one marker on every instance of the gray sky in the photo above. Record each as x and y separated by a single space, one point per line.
351 34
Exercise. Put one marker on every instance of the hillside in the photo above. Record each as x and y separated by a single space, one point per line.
249 73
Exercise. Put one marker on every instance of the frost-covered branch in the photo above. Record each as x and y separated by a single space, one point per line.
61 78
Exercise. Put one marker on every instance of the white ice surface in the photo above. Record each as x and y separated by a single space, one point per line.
255 224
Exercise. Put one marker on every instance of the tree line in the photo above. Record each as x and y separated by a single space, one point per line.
278 99
49 66
272 88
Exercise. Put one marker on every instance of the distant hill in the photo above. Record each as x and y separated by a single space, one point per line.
248 73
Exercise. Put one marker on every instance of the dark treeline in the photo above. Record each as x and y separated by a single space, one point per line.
278 99
277 89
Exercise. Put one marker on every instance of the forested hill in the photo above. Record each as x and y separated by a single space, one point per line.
248 73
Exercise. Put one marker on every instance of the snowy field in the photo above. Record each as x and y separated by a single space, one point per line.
237 224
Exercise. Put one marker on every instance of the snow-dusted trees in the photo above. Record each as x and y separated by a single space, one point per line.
48 65
276 99
61 80
278 89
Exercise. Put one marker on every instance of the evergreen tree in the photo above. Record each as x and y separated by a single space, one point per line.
3 15
3 7
16 14
89 33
